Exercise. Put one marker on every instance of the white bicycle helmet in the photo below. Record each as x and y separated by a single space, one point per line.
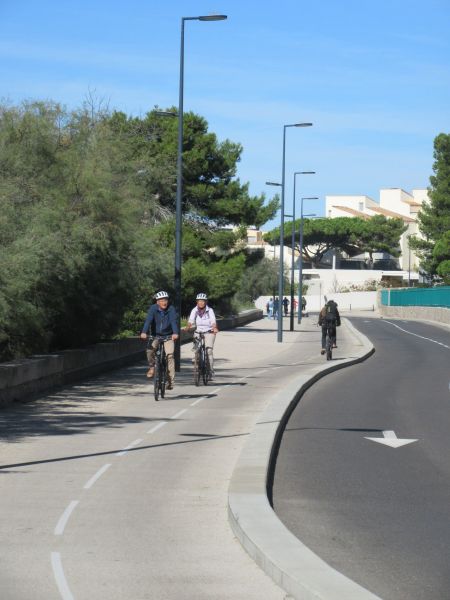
161 295
202 297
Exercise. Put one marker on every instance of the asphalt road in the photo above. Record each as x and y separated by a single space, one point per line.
378 514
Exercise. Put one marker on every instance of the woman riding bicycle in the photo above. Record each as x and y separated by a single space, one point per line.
203 318
162 322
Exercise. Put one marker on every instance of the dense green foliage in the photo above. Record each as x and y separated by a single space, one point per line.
434 217
260 279
351 235
86 221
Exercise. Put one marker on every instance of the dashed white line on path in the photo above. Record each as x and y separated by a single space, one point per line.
156 427
125 450
59 529
99 473
60 578
179 413
261 372
197 401
419 336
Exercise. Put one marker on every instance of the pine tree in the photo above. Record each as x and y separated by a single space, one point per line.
434 217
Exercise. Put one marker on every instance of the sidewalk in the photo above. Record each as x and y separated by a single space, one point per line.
291 564
170 491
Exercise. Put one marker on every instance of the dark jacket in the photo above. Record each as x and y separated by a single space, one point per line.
161 322
329 312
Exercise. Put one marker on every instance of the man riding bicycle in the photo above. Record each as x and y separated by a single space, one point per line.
162 322
203 318
329 317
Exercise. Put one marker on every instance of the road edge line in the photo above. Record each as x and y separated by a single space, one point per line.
292 565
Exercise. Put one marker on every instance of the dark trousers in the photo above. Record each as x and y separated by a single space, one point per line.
324 333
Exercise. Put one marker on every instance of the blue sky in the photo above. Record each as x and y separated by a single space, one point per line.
373 77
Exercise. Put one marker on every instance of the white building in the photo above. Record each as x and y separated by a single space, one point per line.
394 202
338 274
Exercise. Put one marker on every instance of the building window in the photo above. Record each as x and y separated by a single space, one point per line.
361 206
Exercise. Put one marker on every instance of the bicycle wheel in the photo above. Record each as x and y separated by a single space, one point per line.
329 347
197 367
157 376
205 370
163 377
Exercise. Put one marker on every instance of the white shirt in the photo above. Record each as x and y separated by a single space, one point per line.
203 322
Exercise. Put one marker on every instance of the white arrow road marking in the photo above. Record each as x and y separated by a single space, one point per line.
390 439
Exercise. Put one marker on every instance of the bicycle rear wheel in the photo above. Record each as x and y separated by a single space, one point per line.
329 347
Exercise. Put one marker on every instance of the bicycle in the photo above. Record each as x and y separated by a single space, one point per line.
202 368
329 340
160 376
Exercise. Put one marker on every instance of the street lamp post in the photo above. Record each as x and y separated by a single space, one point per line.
179 198
300 269
281 270
292 246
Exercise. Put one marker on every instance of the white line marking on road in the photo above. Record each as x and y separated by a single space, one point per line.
156 427
216 391
179 413
263 371
60 578
99 473
390 439
125 450
417 335
197 401
59 529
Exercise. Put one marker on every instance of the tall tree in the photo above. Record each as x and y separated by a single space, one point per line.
434 216
86 221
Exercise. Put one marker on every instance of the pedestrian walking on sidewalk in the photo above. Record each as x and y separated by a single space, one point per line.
276 307
285 306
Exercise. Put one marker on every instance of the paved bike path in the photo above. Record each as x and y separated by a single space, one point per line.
105 493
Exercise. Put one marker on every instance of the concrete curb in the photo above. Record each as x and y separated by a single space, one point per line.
275 549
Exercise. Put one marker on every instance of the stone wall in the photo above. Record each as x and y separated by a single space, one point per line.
422 313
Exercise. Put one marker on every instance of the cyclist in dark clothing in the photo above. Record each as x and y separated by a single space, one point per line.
162 322
329 315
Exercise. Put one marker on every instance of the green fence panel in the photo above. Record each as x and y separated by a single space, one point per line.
438 296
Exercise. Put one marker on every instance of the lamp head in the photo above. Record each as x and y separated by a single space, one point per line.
213 18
